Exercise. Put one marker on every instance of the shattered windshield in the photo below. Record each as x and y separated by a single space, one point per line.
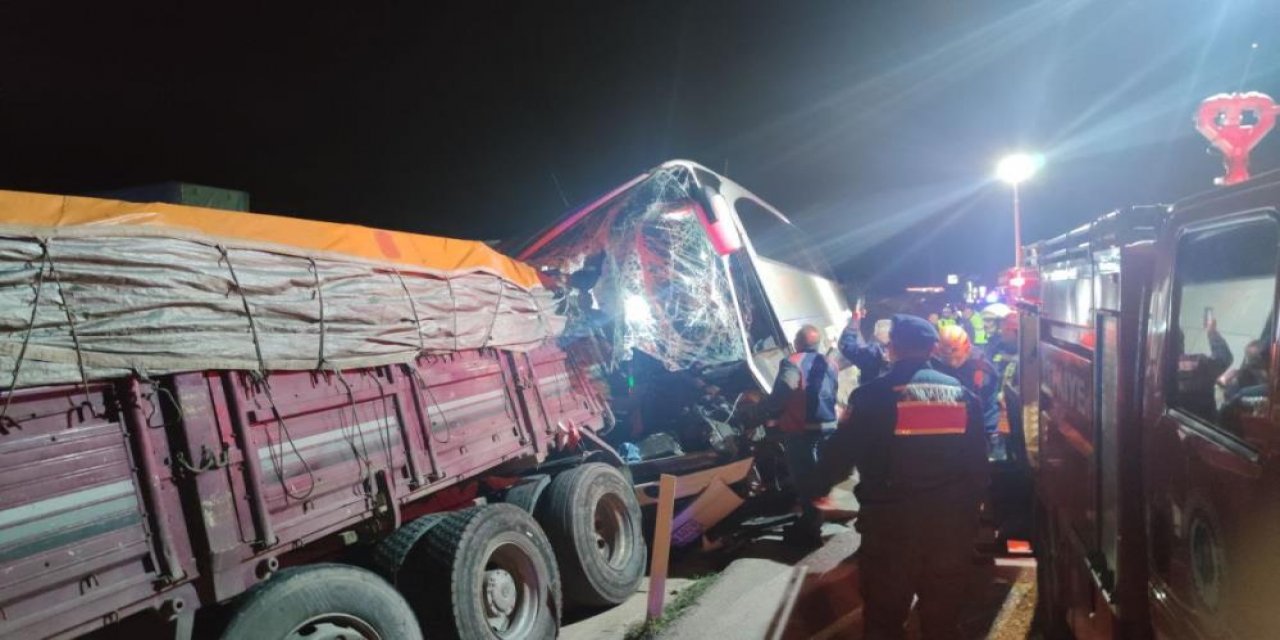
653 282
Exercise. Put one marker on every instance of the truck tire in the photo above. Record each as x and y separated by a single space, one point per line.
526 494
322 601
592 518
484 572
390 554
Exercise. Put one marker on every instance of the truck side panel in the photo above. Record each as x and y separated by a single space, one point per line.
126 496
470 414
318 445
318 453
76 544
565 398
1089 478
1067 447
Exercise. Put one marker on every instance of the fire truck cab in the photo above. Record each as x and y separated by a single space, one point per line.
1148 377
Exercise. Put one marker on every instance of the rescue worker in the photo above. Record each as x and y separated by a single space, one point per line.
804 396
1005 361
869 357
915 437
948 318
972 323
957 359
1252 372
992 319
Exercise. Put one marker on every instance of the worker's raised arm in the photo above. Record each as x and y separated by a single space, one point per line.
858 351
1219 350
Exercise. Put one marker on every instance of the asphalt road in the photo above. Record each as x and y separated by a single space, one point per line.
753 578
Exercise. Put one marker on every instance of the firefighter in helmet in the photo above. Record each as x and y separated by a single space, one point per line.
916 437
957 358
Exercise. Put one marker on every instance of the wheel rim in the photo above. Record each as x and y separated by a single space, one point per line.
509 591
613 532
334 626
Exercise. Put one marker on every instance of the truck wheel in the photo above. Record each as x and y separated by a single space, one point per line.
391 553
526 494
322 602
485 572
593 521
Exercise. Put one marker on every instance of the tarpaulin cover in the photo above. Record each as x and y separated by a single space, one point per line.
93 289
661 288
443 255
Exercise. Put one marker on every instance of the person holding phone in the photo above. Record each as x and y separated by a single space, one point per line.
871 358
1198 373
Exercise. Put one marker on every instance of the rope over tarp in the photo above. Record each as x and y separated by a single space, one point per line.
445 255
142 297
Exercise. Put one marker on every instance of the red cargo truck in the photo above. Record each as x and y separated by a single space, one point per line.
1148 376
244 426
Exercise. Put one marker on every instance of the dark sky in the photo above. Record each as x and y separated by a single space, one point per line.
875 125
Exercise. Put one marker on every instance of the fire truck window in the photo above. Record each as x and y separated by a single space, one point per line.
1220 337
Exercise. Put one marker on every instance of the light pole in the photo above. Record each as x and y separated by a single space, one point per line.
1015 169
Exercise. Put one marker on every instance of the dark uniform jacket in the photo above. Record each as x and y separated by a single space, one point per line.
979 376
868 357
914 433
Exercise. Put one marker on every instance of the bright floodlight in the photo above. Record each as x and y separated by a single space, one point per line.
1018 167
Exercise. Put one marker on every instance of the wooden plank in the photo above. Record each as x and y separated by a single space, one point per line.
661 545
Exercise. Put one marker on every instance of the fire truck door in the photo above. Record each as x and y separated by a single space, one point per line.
1212 496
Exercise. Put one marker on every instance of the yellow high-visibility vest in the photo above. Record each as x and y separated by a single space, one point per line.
979 333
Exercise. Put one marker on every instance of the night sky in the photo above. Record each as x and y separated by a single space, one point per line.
874 125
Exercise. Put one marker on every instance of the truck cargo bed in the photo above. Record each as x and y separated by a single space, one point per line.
185 491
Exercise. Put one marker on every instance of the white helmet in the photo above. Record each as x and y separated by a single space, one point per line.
996 311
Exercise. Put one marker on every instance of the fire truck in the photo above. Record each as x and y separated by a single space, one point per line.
1147 382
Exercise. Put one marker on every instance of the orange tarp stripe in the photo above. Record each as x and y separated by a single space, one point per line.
930 419
440 254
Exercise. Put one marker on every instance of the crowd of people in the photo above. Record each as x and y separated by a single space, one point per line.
929 413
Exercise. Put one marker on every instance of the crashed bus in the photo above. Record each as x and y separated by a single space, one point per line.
683 290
